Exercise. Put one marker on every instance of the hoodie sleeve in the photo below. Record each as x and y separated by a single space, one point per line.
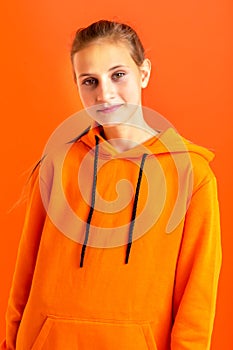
25 263
198 271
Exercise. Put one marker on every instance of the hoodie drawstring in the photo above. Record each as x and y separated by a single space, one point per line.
134 211
93 192
93 195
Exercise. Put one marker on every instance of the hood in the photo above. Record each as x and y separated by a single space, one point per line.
164 142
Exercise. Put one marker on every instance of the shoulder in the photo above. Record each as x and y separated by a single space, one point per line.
201 159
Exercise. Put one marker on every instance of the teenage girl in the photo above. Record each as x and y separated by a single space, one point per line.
121 243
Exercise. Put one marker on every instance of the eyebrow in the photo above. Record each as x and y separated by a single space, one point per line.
112 68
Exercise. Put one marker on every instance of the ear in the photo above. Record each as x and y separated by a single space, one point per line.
145 69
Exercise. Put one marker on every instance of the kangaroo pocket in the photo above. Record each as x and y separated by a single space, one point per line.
71 334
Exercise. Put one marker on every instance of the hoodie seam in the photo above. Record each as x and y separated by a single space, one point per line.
98 320
203 183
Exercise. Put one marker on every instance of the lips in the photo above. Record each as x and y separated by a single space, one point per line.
109 109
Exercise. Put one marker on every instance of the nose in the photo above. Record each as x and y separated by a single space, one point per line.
105 91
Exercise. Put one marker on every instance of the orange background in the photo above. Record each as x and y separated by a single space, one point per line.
190 45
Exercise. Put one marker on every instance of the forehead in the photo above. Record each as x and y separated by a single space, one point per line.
102 55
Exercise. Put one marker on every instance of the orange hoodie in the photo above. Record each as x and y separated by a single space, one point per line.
118 250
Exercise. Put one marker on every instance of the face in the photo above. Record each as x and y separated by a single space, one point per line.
109 81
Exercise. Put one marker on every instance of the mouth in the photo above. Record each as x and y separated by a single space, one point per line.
109 109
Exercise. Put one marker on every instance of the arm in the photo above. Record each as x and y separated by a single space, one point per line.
197 271
25 264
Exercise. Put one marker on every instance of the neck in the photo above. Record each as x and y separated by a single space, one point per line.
124 137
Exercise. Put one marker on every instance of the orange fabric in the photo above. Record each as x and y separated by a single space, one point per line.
164 298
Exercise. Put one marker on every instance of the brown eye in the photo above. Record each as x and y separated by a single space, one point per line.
89 82
118 75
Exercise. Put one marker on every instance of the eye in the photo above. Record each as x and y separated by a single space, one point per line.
90 82
118 75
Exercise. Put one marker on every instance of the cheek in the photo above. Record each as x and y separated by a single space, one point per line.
131 91
86 97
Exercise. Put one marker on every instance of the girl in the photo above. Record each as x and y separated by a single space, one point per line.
121 243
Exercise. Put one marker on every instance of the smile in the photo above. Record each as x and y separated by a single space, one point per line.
109 109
